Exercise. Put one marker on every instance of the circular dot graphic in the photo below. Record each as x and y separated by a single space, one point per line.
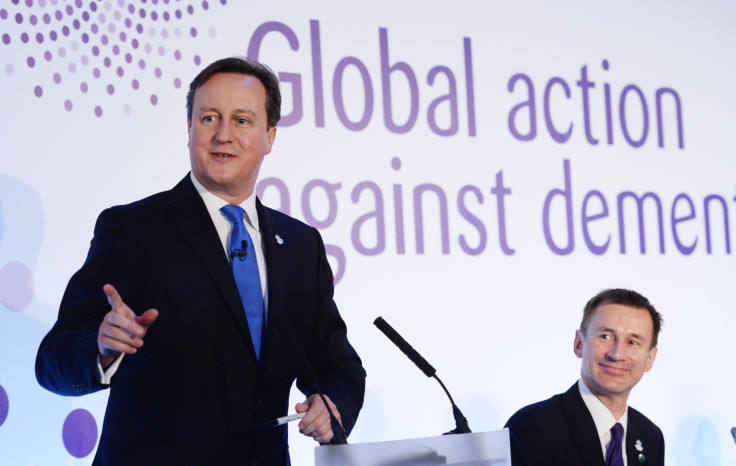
16 282
114 35
79 433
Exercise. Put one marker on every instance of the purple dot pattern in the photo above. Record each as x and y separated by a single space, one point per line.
98 46
79 433
4 405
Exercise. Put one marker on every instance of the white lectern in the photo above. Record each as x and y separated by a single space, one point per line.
485 448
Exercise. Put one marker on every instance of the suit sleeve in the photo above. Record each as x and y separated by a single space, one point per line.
66 362
522 431
338 366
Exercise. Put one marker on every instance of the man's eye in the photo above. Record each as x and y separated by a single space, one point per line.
208 118
242 121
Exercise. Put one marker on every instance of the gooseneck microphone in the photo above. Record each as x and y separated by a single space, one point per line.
461 424
310 377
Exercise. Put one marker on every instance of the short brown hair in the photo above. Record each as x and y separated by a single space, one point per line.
242 65
627 298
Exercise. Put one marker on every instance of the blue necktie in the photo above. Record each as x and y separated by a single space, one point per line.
245 270
614 455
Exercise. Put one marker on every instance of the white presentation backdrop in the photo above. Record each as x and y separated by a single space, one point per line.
478 170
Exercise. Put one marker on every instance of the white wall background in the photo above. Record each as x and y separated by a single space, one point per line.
498 327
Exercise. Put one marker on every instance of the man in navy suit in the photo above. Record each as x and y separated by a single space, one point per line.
617 342
155 313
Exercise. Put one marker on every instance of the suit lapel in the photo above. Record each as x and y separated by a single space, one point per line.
274 255
582 427
631 437
195 224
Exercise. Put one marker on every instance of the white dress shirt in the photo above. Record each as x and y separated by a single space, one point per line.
603 418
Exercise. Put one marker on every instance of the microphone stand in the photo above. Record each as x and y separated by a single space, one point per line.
461 424
338 433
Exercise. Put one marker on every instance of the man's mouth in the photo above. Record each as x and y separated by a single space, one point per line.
614 369
222 155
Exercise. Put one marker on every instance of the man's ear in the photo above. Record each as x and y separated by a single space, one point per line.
578 345
650 359
271 138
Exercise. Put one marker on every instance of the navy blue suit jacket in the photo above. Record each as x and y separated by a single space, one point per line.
560 431
193 393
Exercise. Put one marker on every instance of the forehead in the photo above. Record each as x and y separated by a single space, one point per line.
232 89
622 318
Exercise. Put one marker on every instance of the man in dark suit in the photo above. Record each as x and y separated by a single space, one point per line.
617 342
197 389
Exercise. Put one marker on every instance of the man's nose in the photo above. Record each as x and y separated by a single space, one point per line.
616 351
223 133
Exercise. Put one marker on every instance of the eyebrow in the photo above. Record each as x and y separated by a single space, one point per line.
635 336
236 111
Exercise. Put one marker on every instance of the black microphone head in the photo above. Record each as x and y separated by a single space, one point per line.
733 433
405 347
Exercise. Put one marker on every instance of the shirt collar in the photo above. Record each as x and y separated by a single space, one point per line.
602 417
215 203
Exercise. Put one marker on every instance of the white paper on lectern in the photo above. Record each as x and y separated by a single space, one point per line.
484 448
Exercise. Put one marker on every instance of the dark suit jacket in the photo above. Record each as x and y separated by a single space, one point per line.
193 393
560 432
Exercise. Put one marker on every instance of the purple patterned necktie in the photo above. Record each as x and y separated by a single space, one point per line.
614 456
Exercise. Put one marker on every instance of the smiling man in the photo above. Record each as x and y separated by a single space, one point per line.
178 307
591 424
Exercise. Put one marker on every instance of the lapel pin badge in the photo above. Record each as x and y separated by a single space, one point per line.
278 239
640 448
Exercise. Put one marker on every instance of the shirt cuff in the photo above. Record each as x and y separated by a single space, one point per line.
106 375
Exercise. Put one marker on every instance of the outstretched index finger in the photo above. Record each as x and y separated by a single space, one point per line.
113 297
